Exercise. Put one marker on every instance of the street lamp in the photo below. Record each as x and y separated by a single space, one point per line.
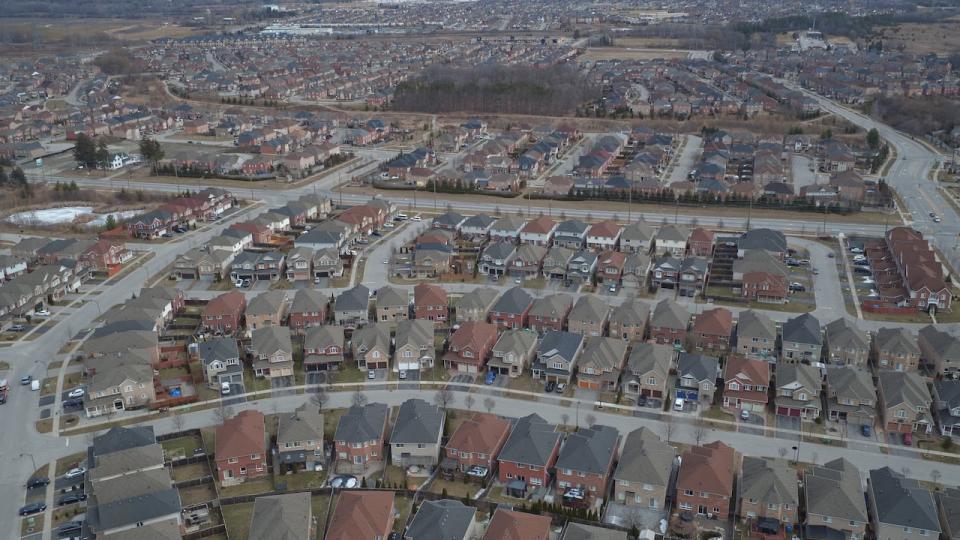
32 461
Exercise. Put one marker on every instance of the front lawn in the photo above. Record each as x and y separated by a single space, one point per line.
237 517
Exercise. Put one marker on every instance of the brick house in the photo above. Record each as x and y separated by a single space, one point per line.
362 514
470 346
473 448
549 313
528 455
585 463
746 382
589 316
511 524
511 309
644 470
224 313
701 242
905 402
241 451
705 480
430 302
668 323
360 439
308 310
712 330
769 498
896 349
628 321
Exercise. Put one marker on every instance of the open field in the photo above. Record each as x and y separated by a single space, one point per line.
936 37
630 53
646 43
79 31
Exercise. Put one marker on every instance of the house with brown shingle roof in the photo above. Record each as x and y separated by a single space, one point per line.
362 514
513 525
705 480
712 329
746 381
701 242
470 345
223 313
474 446
241 448
538 232
604 235
430 302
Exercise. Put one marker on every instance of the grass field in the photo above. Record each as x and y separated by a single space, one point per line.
630 53
939 37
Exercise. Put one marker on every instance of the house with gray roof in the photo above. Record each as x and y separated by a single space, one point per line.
905 402
671 240
585 463
946 407
549 312
637 238
371 346
527 261
273 352
300 439
556 261
571 234
512 308
351 307
475 305
444 519
528 455
449 221
557 356
636 268
941 349
220 358
835 505
847 344
513 352
475 228
496 257
628 321
414 348
696 378
769 495
415 438
756 336
668 323
851 395
323 348
589 316
643 472
798 391
948 507
392 304
581 267
360 438
769 240
900 508
647 371
507 229
600 364
802 339
287 517
580 531
896 348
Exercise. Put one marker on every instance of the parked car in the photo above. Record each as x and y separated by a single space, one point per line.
856 250
38 481
41 313
17 328
69 527
26 379
76 472
70 404
76 393
72 498
32 508
491 377
678 404
371 374
550 386
797 287
561 387
224 389
908 439
865 430
744 414
402 374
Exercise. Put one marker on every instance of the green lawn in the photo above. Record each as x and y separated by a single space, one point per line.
454 489
181 446
236 517
349 374
302 481
249 487
189 471
197 494
331 417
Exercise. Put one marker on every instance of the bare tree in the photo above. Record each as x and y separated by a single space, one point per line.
935 476
591 419
782 451
905 471
488 403
444 398
669 427
565 418
359 399
469 401
320 398
222 414
699 430
177 421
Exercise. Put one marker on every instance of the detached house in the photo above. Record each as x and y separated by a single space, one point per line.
475 305
323 348
430 302
847 344
668 324
224 313
648 369
528 455
473 448
392 305
672 240
220 358
513 352
900 508
308 310
940 349
696 378
469 347
360 437
644 470
351 308
601 363
851 395
798 391
371 346
905 402
628 321
273 352
896 349
769 498
414 348
549 313
756 335
570 234
509 524
538 232
300 440
585 463
241 452
835 504
557 356
712 330
362 514
946 407
512 309
637 238
802 339
589 316
415 439
745 384
604 236
705 481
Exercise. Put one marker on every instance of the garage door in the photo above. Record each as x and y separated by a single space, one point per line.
409 365
795 412
687 394
783 411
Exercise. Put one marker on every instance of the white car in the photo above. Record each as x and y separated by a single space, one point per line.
76 393
42 313
868 281
856 250
75 472
416 218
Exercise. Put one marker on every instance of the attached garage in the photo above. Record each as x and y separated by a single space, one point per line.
788 411
689 395
588 385
186 274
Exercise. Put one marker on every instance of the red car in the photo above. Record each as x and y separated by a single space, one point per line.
907 439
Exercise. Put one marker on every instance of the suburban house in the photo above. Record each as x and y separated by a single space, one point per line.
371 346
847 344
513 352
527 261
745 384
351 308
430 302
512 309
268 308
323 348
220 358
510 524
300 440
549 313
557 356
900 508
600 364
644 470
528 455
769 498
648 368
946 407
473 448
692 276
696 378
604 235
476 304
801 339
589 316
701 242
555 263
362 514
584 465
289 515
445 518
414 348
896 349
392 304
940 349
582 266
798 391
117 385
470 346
672 240
628 321
668 323
241 452
905 402
756 335
712 330
496 257
851 395
272 352
224 313
360 438
308 310
570 234
835 503
948 507
637 238
415 439
706 478
538 232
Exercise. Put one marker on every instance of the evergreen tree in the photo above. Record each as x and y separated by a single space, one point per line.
17 177
102 154
111 223
85 151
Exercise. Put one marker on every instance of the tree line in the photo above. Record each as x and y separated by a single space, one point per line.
918 116
552 91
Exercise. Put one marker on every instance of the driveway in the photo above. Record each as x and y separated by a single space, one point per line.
788 422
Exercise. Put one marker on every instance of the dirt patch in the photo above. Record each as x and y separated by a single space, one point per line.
629 53
941 37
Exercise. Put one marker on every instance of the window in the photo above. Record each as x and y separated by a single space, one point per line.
563 485
827 519
703 494
734 386
653 503
716 509
567 472
581 474
688 492
901 413
407 354
521 466
232 460
623 482
647 487
398 445
685 506
254 456
243 470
